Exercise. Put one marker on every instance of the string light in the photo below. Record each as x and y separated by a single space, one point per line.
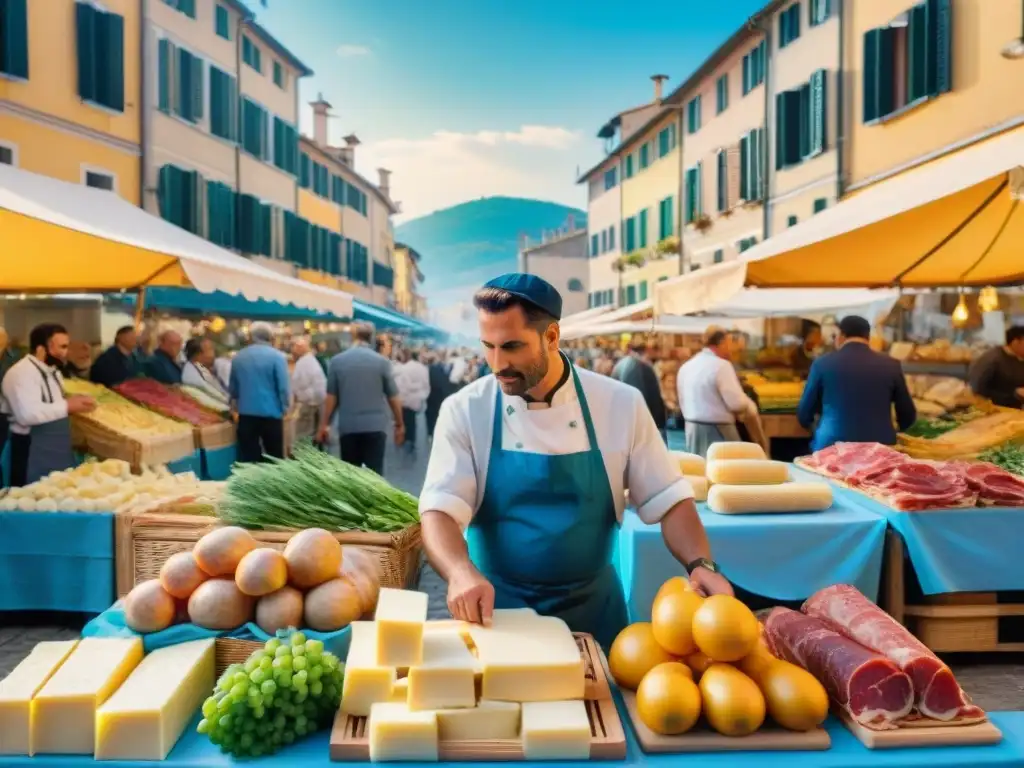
961 314
988 299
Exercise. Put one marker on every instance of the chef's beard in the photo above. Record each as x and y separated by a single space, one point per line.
55 362
525 379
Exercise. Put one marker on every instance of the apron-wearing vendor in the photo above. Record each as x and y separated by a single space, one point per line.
525 488
34 391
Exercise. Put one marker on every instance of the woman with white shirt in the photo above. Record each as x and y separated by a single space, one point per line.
199 356
309 388
413 381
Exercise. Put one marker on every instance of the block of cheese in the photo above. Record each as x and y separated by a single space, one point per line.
398 733
718 451
535 660
700 486
689 463
17 690
146 716
556 730
64 710
747 471
788 497
445 677
486 721
400 616
366 681
449 625
400 691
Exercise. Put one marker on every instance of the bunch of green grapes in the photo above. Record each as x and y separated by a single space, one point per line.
286 690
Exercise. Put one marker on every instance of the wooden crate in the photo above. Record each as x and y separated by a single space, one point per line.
230 650
143 542
90 436
350 739
214 436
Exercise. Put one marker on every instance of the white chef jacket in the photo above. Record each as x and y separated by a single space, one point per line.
458 371
710 391
413 381
309 382
28 401
635 456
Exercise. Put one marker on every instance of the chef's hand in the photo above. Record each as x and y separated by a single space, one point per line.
470 596
81 404
323 434
707 583
399 435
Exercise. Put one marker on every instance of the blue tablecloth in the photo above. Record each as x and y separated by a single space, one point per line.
217 462
191 463
783 556
195 751
57 561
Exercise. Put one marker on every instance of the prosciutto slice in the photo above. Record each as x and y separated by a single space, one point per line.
994 486
936 692
870 687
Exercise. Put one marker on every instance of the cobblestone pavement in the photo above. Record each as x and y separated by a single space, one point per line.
995 682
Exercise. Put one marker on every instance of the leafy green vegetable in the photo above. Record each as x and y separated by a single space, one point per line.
315 490
929 429
1009 456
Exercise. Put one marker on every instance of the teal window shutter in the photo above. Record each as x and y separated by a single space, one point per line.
878 73
804 123
722 89
108 50
630 227
278 74
165 55
791 221
186 73
304 180
643 290
719 256
85 31
722 180
223 22
744 167
643 228
760 159
691 197
14 38
819 112
781 126
645 156
940 35
820 204
917 53
198 93
611 236
628 162
746 75
279 160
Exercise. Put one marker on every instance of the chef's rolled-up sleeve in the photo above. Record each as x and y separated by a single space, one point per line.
653 477
451 482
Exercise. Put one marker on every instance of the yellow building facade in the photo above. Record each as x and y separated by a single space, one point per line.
408 278
69 92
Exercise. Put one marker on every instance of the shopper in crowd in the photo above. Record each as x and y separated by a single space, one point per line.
808 349
998 374
7 361
222 368
197 372
667 371
605 363
440 388
118 363
852 392
582 362
361 389
413 381
457 367
637 372
710 394
309 388
34 391
260 396
163 365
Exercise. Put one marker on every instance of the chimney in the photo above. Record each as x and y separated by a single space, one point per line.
658 81
321 110
348 152
384 183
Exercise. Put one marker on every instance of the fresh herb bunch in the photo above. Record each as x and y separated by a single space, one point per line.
1009 457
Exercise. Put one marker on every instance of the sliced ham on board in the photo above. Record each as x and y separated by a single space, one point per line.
936 692
850 462
994 486
867 685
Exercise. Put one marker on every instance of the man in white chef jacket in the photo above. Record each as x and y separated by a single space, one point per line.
525 487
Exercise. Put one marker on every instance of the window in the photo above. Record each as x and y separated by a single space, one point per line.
357 261
305 171
6 154
14 38
627 164
220 214
645 155
694 192
604 241
181 82
610 179
251 54
800 122
642 226
722 179
754 68
722 93
100 50
643 290
909 61
752 149
666 218
255 226
820 204
818 12
321 180
338 189
693 115
180 194
629 238
384 276
188 7
719 256
222 22
789 25
630 295
279 76
255 130
611 237
575 286
99 180
223 103
286 147
594 243
666 140
792 221
355 199
746 244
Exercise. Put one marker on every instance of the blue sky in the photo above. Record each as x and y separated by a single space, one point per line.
470 98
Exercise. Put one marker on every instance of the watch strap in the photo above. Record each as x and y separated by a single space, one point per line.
702 562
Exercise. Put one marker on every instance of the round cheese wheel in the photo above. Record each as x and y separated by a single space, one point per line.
787 497
700 486
735 451
747 471
689 463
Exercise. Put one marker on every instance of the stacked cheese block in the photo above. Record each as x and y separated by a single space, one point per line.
738 478
101 697
424 682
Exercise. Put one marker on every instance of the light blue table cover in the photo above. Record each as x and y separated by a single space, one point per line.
111 623
57 561
217 462
779 556
195 751
191 463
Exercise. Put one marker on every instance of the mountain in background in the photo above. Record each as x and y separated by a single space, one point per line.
464 246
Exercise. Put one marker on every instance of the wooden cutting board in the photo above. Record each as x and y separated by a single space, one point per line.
703 739
350 737
979 734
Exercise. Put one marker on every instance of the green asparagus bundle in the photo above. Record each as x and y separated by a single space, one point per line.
315 490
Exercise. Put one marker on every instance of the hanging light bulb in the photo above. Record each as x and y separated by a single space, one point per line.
961 314
988 299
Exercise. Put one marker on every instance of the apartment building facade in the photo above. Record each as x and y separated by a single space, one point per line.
562 259
604 220
408 279
69 85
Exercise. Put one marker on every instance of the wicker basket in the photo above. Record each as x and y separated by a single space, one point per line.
214 436
144 541
230 651
92 437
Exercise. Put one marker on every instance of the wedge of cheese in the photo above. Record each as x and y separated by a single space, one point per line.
398 733
18 689
488 720
64 710
556 730
400 616
400 691
366 681
146 716
445 679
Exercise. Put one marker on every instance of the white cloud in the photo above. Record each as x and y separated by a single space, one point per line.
348 51
449 167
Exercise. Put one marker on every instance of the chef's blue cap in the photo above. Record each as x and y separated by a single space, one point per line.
531 289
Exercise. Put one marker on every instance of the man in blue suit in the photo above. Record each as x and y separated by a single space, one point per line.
853 391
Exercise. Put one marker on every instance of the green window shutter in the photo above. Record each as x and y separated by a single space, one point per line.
722 88
700 188
630 294
791 221
643 290
184 105
746 75
197 88
630 227
304 181
223 22
109 62
690 197
804 123
761 158
722 180
85 32
14 38
820 204
165 54
163 192
216 102
719 256
878 73
917 53
784 29
819 112
940 51
869 81
781 127
643 228
744 167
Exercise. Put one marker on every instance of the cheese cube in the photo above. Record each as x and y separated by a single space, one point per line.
400 617
488 720
64 711
535 660
398 733
366 682
146 716
556 730
450 625
17 690
400 691
445 677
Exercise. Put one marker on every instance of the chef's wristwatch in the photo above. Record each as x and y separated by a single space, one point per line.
703 562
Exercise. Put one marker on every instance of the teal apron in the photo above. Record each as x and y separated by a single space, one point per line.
545 533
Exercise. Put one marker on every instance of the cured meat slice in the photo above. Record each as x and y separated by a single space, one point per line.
936 692
868 686
852 462
994 485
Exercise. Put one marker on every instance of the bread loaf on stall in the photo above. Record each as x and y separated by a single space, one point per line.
747 472
786 497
